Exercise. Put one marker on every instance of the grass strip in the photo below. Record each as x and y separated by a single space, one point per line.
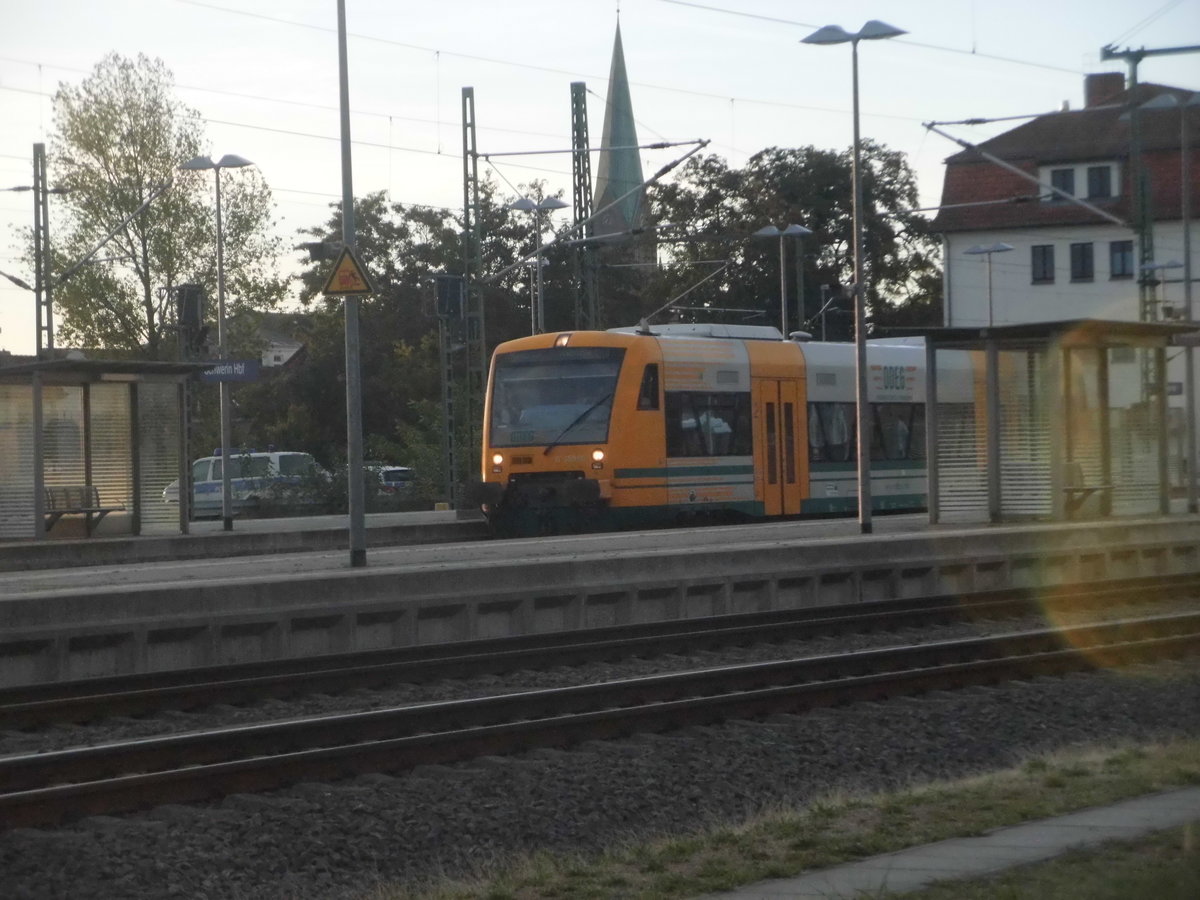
1163 866
838 828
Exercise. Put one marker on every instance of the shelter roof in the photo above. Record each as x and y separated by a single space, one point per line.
88 370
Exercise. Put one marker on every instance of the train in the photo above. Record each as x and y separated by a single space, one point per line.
680 424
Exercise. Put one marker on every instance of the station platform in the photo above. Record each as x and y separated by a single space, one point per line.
275 588
207 539
977 857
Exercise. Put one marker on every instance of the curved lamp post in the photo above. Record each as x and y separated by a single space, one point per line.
537 312
988 250
874 30
228 161
798 232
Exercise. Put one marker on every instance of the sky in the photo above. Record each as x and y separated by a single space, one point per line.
263 74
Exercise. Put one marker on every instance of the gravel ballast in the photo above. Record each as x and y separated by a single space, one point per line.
340 840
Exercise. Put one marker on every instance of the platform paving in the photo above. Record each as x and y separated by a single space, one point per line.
976 857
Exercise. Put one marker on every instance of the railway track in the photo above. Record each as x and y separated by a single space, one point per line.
48 788
135 695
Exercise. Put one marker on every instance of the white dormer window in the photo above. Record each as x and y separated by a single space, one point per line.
1062 180
1090 181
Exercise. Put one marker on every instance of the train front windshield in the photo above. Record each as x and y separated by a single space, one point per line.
561 395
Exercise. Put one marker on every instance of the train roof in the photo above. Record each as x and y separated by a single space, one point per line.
747 333
705 329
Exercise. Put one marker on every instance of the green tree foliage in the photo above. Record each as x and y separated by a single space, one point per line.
403 248
119 135
711 211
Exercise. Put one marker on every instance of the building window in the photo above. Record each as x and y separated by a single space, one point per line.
1064 180
1099 182
1082 266
1120 259
1042 262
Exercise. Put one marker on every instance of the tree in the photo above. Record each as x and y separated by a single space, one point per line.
119 136
403 248
711 212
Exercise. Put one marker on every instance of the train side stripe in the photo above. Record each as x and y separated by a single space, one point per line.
680 471
916 465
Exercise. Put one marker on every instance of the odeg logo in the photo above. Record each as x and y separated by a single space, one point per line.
894 378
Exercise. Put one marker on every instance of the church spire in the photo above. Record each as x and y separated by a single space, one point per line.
619 171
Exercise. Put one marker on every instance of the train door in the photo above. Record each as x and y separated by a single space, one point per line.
778 441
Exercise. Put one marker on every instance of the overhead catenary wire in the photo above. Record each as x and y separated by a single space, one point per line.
910 42
711 275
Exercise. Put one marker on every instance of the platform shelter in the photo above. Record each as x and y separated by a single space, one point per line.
87 446
1062 420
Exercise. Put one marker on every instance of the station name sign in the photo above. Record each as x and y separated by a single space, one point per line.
232 370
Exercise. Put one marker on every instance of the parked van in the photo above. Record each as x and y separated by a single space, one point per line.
253 475
397 480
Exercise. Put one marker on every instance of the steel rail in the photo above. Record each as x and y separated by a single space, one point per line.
200 766
145 693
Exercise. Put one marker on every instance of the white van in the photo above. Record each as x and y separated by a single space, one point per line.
253 476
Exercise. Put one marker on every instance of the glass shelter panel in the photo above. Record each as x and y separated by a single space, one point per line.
1024 436
158 455
1083 438
1134 432
961 439
110 429
16 461
62 436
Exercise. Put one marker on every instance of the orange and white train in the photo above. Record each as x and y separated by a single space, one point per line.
675 424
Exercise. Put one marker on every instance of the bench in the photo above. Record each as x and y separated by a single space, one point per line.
76 499
1077 495
1075 490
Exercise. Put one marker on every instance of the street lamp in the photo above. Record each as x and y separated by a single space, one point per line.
874 30
228 161
537 312
798 232
988 250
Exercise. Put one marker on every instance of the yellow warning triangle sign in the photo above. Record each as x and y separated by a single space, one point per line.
348 276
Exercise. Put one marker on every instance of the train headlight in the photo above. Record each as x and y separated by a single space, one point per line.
497 463
597 458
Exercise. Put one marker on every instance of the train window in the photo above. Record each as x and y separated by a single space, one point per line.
561 395
831 436
898 432
648 392
708 424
